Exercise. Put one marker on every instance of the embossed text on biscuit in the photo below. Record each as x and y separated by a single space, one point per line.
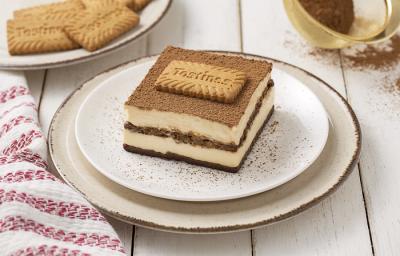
201 81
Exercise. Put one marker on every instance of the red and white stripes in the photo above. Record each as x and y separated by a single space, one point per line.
48 250
39 214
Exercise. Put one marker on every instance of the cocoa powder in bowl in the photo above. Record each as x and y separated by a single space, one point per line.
335 14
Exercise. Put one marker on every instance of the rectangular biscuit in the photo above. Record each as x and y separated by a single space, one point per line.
104 3
54 11
201 81
94 28
140 5
37 36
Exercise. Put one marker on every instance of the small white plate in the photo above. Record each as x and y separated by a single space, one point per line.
149 17
289 144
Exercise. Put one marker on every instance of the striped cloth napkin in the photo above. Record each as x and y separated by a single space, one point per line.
39 214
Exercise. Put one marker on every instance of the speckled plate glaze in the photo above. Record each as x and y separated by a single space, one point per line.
322 178
290 142
149 17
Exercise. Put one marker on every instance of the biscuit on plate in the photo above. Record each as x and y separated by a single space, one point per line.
37 36
94 28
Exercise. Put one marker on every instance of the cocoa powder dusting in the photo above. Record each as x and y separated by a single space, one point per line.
397 86
298 45
382 56
390 85
147 97
335 14
272 127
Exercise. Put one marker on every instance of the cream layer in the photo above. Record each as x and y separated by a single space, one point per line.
212 155
185 123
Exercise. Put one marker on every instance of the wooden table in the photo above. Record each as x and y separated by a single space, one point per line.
361 218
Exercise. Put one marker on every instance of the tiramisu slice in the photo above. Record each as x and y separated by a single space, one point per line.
199 107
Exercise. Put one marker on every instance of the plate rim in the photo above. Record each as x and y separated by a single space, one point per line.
97 54
120 181
227 228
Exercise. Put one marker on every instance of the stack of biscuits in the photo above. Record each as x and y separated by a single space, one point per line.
71 24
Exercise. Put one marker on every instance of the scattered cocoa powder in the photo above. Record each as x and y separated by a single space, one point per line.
328 56
335 14
390 85
298 45
384 94
272 127
382 56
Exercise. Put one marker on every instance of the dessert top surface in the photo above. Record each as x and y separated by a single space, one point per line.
146 96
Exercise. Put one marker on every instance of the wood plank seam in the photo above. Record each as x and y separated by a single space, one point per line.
343 75
347 96
42 92
253 243
366 210
147 45
239 2
133 239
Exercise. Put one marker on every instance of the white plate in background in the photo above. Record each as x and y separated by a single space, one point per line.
149 17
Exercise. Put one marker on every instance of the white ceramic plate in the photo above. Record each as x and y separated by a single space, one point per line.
149 17
321 179
291 141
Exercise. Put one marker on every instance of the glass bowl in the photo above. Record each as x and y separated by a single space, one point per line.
375 21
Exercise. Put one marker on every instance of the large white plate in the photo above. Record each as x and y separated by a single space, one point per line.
321 179
290 142
149 17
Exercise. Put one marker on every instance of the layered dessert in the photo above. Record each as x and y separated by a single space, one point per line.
200 107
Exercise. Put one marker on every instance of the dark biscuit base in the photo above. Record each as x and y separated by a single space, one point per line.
172 156
202 141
